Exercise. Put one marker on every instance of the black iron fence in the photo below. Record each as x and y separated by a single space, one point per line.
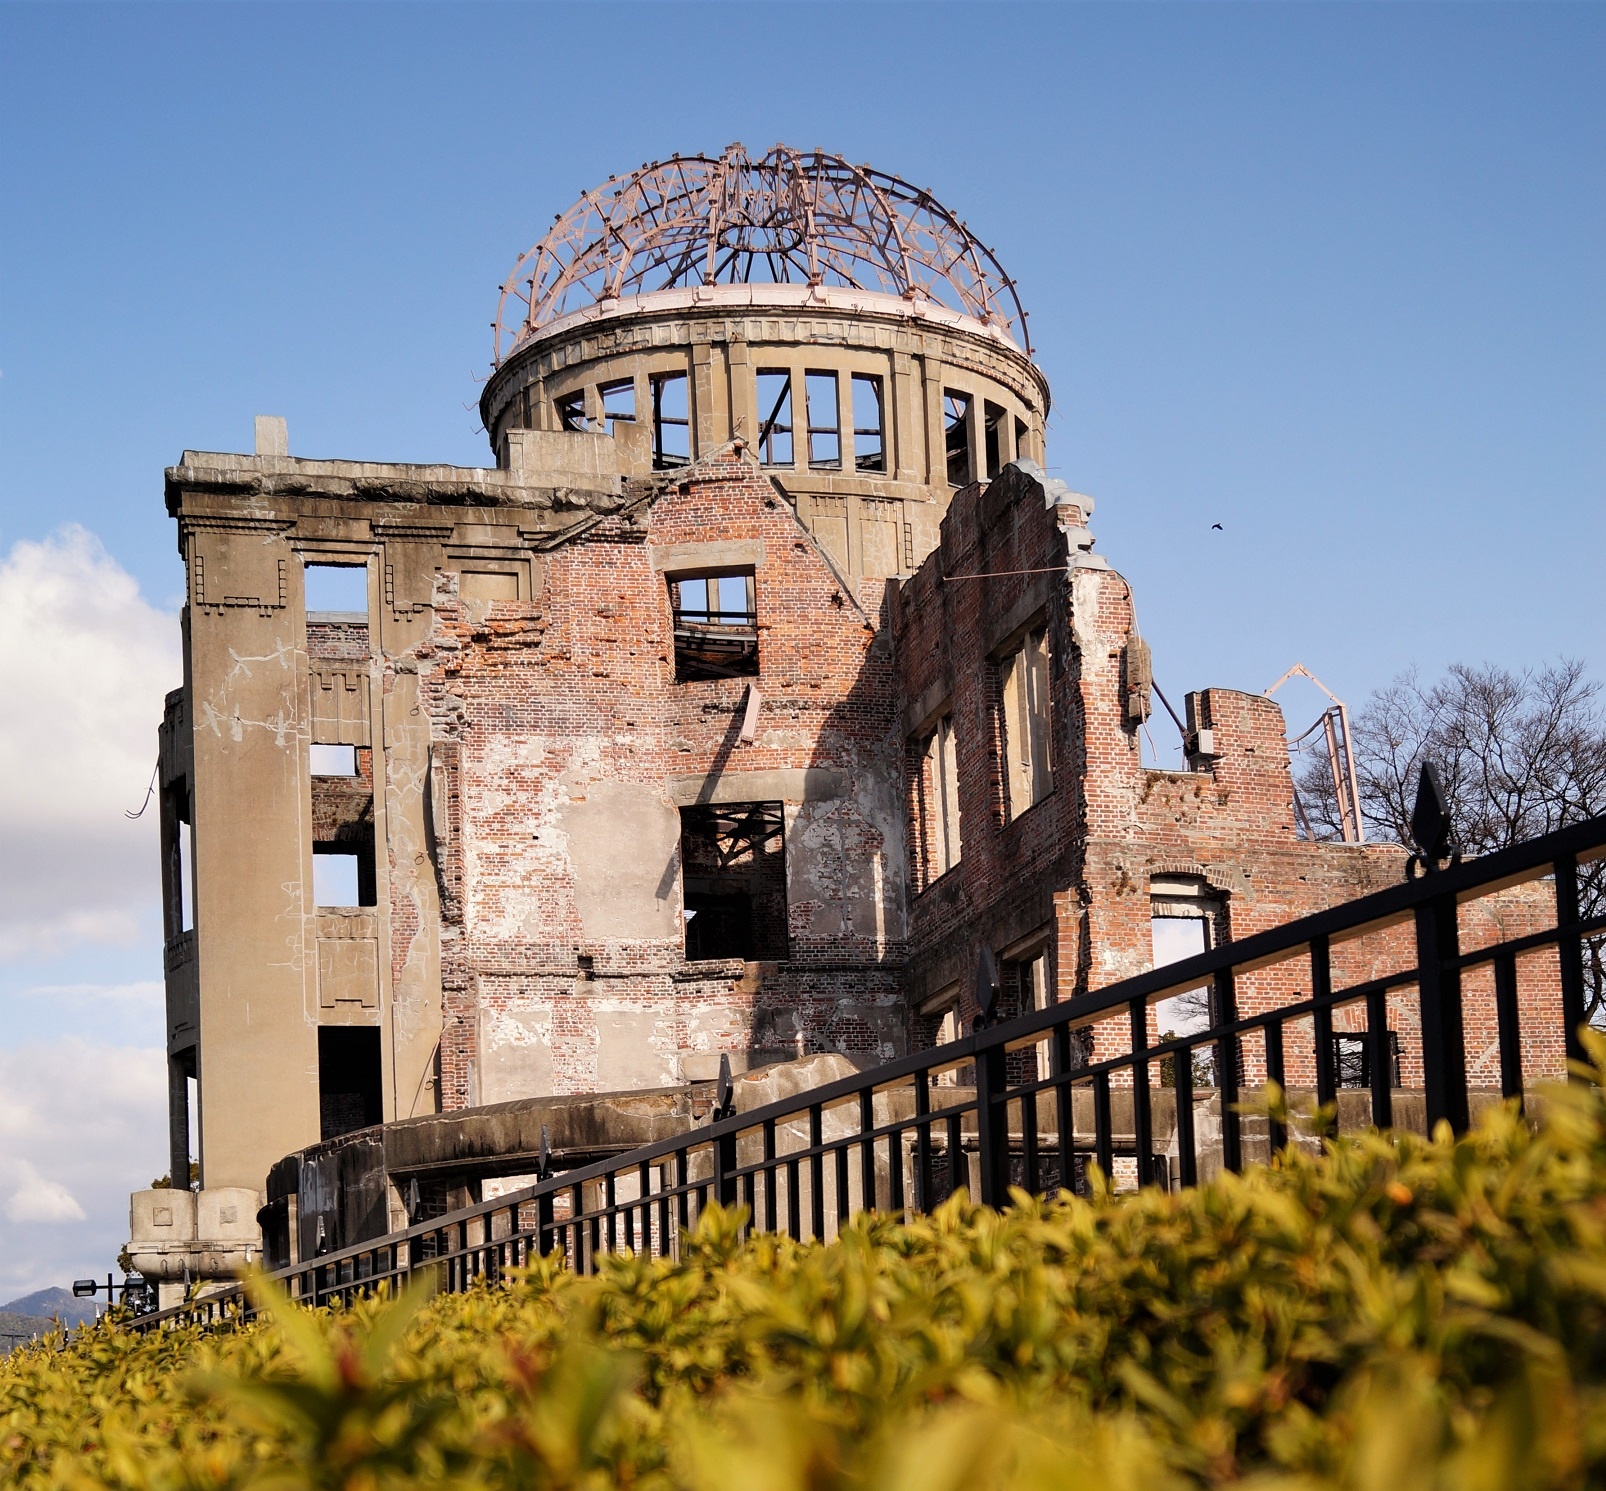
1408 1007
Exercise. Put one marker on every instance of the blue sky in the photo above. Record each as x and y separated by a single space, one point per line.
1327 275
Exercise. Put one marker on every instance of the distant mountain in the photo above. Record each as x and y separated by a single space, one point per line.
52 1304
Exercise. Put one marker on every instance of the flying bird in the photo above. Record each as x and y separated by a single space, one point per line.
1218 528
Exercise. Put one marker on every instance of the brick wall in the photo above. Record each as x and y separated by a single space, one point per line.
540 707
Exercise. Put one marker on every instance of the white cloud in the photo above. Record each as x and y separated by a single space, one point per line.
81 1125
41 1200
86 663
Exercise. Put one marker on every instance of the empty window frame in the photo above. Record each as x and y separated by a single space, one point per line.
869 424
993 432
342 877
1024 986
1352 1060
1023 435
716 625
671 421
733 867
775 417
341 793
178 845
1023 685
949 1028
350 1079
571 409
936 838
1185 917
956 436
337 589
825 421
618 400
333 760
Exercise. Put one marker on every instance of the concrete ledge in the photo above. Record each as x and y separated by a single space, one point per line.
736 553
789 784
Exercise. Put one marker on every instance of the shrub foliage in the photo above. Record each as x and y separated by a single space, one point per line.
1390 1312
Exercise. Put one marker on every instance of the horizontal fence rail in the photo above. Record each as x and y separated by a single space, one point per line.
1411 1006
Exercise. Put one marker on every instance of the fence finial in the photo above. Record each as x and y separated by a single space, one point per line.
1432 828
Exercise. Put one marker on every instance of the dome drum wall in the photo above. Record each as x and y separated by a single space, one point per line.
672 379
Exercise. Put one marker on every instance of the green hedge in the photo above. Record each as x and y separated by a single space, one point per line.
1391 1313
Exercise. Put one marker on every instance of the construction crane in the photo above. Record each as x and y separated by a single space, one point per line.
1340 758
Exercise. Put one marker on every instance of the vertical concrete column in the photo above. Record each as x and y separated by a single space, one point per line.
936 450
704 419
743 392
906 448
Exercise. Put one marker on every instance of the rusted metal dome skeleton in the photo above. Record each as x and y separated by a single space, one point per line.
791 217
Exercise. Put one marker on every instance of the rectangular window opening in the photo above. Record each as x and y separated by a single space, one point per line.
993 438
733 865
1184 915
571 409
869 424
1023 984
337 589
1352 1060
1023 435
956 436
618 402
1023 677
186 878
671 421
334 760
343 874
825 422
350 1079
936 837
775 417
716 625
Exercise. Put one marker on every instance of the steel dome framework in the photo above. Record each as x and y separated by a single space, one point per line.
791 217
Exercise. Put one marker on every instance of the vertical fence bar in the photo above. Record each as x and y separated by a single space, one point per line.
817 1171
1103 1127
867 1148
1225 1012
1381 1058
1570 951
725 1169
666 1239
1510 1025
1321 990
895 1151
1444 1061
958 1170
1142 1115
1276 1130
1064 1105
923 1141
770 1223
682 1195
794 1202
1187 1156
1028 1128
992 1125
844 1197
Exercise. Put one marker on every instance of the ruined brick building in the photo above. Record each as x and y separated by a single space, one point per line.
762 686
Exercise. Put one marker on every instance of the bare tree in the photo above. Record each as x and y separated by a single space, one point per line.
1518 754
